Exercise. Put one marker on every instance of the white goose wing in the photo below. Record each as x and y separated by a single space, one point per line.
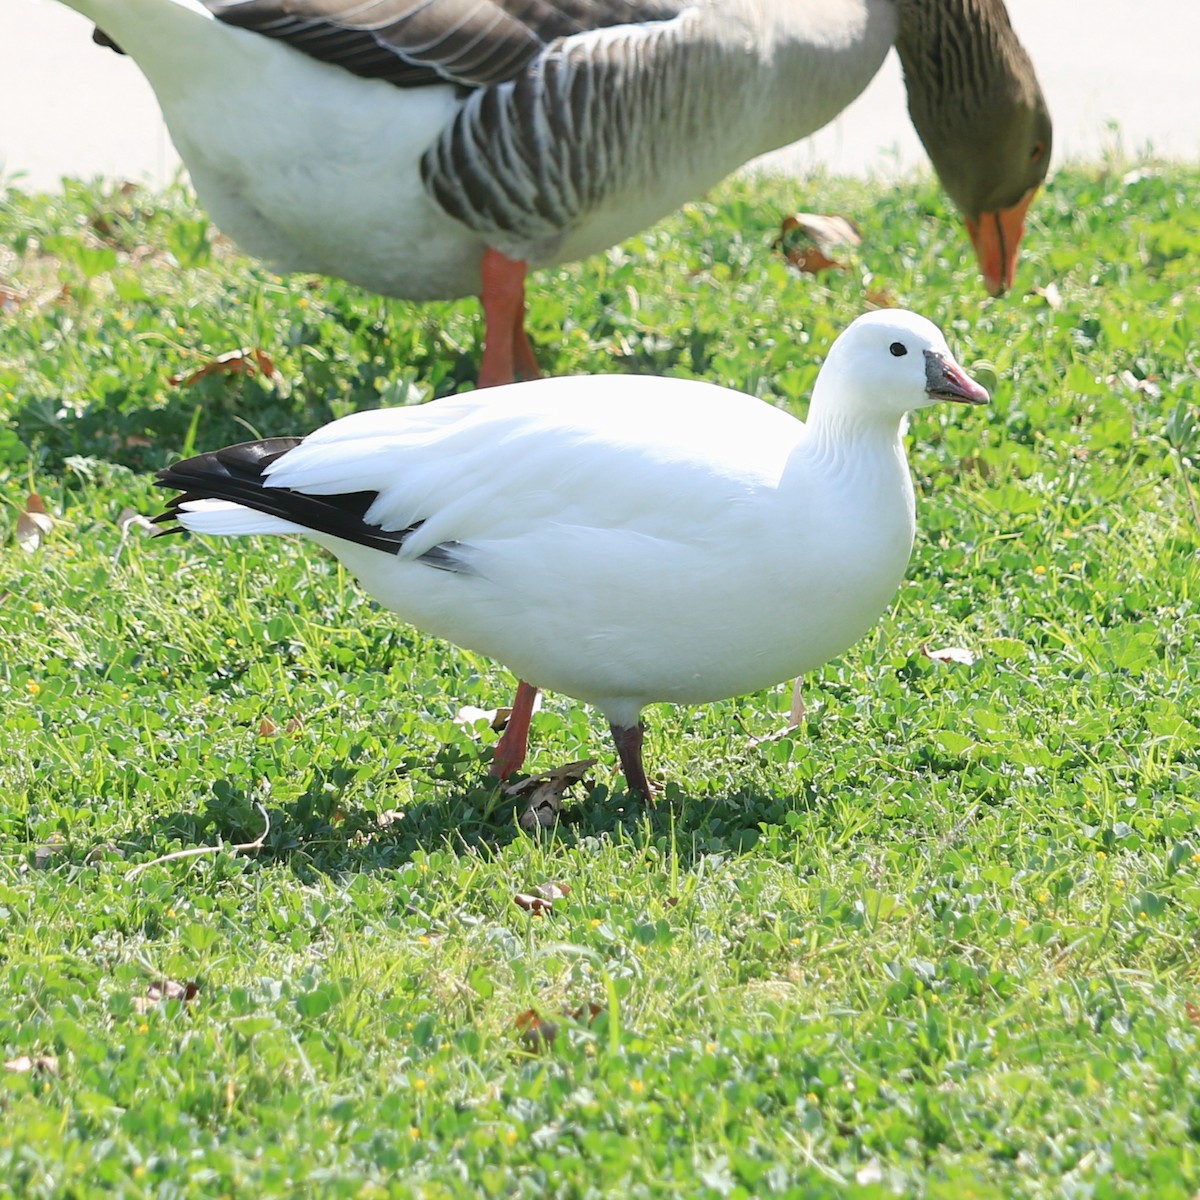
661 457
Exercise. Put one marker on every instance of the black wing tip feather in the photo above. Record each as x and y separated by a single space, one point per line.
237 472
231 473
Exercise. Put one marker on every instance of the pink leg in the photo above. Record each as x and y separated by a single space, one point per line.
506 349
628 740
513 745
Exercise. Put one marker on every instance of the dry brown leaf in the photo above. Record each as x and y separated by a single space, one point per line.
809 241
33 524
267 728
587 1014
812 260
881 298
950 654
43 1064
533 904
545 792
165 989
537 1033
243 361
1193 1012
552 891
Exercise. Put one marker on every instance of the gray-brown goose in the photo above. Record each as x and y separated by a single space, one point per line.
430 149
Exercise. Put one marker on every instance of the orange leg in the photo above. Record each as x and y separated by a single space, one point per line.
506 349
513 745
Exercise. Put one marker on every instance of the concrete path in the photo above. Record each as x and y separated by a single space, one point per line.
1118 75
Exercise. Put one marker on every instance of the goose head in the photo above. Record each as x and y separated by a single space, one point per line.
886 364
976 105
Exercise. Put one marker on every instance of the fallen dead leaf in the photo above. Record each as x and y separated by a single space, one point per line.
537 1033
497 718
552 891
267 728
1051 295
809 241
587 1014
10 298
43 1064
545 792
1147 387
243 361
533 904
130 518
950 654
54 847
165 989
1193 1012
33 524
881 298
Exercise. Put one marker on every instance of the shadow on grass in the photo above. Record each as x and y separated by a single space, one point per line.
324 832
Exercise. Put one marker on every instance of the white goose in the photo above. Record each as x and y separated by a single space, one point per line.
431 149
622 539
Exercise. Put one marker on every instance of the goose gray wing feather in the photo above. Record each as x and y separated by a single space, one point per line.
607 114
414 43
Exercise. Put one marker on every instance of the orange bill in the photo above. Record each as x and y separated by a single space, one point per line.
996 237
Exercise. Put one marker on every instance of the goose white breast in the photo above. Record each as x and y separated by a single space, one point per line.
622 540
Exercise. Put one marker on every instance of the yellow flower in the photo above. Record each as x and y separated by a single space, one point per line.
1039 570
36 606
418 1084
637 1086
414 1133
33 687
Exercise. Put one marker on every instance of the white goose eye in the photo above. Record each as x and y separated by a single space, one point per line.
899 349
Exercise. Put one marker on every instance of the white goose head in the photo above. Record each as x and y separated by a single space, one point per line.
885 364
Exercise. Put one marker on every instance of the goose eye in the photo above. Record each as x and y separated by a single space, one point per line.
1039 148
899 349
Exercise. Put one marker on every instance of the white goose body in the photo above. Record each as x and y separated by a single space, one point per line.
624 540
401 189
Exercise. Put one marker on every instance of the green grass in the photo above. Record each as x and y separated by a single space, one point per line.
940 942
